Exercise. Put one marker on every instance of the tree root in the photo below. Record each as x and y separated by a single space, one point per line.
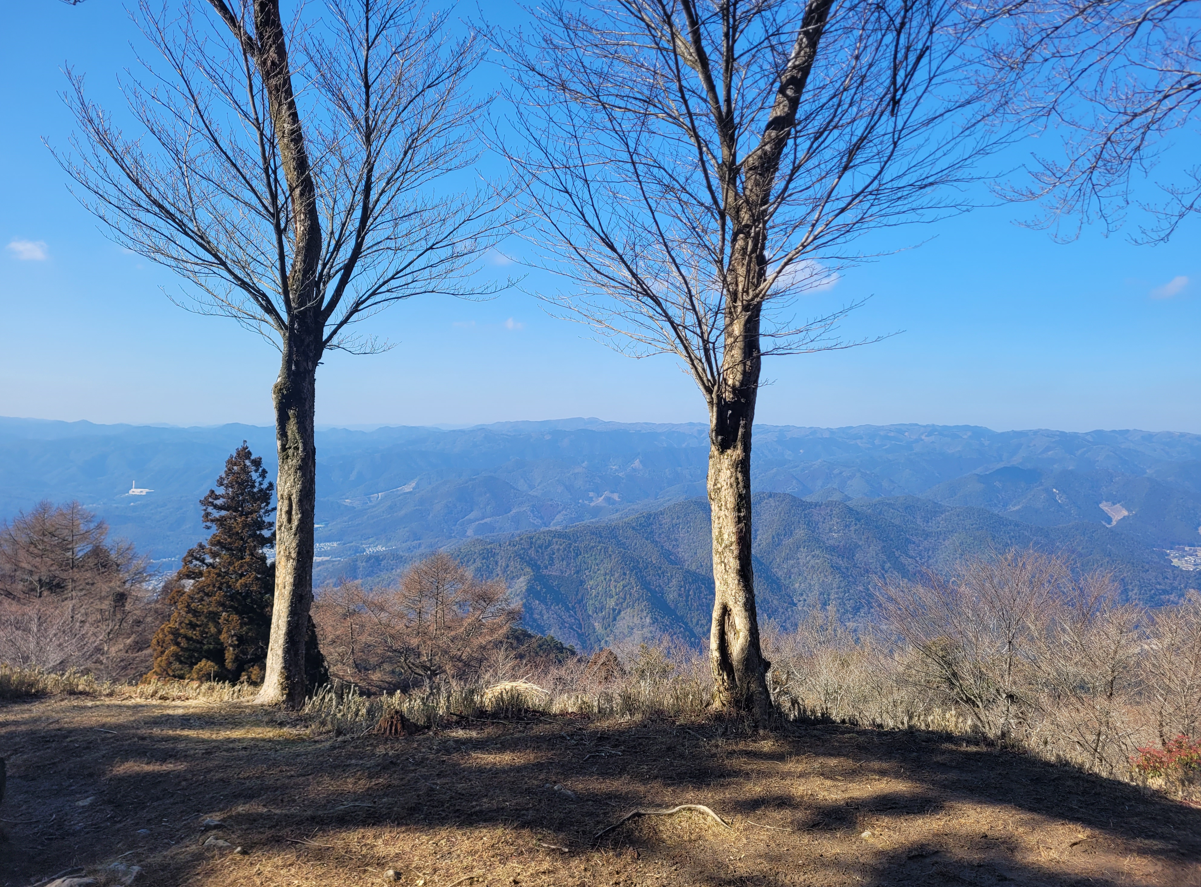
634 814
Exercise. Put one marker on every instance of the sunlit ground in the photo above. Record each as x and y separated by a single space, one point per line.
96 781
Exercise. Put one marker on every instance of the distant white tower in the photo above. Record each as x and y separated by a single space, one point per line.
134 491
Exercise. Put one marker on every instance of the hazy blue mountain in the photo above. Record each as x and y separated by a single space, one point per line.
628 579
1184 475
403 490
1150 509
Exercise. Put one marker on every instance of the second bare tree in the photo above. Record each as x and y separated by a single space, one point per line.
696 166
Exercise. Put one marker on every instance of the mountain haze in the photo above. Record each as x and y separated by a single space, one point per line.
414 489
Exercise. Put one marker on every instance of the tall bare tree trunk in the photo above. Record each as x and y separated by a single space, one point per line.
739 669
294 396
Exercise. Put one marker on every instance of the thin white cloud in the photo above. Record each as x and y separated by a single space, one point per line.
29 250
509 324
806 275
1173 287
497 258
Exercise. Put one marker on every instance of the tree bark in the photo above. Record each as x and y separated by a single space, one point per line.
294 396
739 669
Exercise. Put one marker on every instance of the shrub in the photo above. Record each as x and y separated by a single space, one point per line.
1178 763
1172 665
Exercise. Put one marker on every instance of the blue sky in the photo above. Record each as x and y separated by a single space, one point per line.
1002 326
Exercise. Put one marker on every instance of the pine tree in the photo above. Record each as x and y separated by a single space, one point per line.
220 600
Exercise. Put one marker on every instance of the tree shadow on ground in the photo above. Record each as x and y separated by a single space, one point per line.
521 803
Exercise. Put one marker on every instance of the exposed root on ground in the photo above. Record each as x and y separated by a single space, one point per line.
634 814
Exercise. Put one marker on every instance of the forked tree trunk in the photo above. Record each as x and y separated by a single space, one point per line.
294 396
739 669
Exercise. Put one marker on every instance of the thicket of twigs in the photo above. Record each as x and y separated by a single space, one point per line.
438 623
72 599
1018 650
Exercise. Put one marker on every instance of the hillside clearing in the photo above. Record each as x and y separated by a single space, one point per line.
93 780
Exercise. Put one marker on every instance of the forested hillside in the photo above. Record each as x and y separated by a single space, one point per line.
640 577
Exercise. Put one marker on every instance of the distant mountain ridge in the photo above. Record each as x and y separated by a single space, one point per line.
405 490
1157 512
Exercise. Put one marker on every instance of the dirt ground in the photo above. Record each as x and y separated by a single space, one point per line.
93 781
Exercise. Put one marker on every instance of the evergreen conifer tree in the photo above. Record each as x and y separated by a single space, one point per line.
220 600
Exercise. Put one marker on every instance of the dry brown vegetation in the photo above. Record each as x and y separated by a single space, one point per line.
1019 650
70 597
519 801
437 622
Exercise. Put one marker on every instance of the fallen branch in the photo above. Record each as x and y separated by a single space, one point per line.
634 814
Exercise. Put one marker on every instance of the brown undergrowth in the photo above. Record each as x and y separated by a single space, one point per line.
495 801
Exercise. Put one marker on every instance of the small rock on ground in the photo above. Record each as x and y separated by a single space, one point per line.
218 843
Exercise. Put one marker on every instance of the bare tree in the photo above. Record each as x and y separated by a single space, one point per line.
1033 649
43 551
69 596
449 618
1113 78
437 622
63 551
287 173
1089 671
1172 661
980 630
345 626
696 166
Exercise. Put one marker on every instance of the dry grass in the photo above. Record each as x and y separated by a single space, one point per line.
29 683
24 683
519 802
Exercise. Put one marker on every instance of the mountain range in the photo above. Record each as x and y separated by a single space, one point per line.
601 528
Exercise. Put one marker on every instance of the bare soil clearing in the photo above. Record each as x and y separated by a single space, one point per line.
91 781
